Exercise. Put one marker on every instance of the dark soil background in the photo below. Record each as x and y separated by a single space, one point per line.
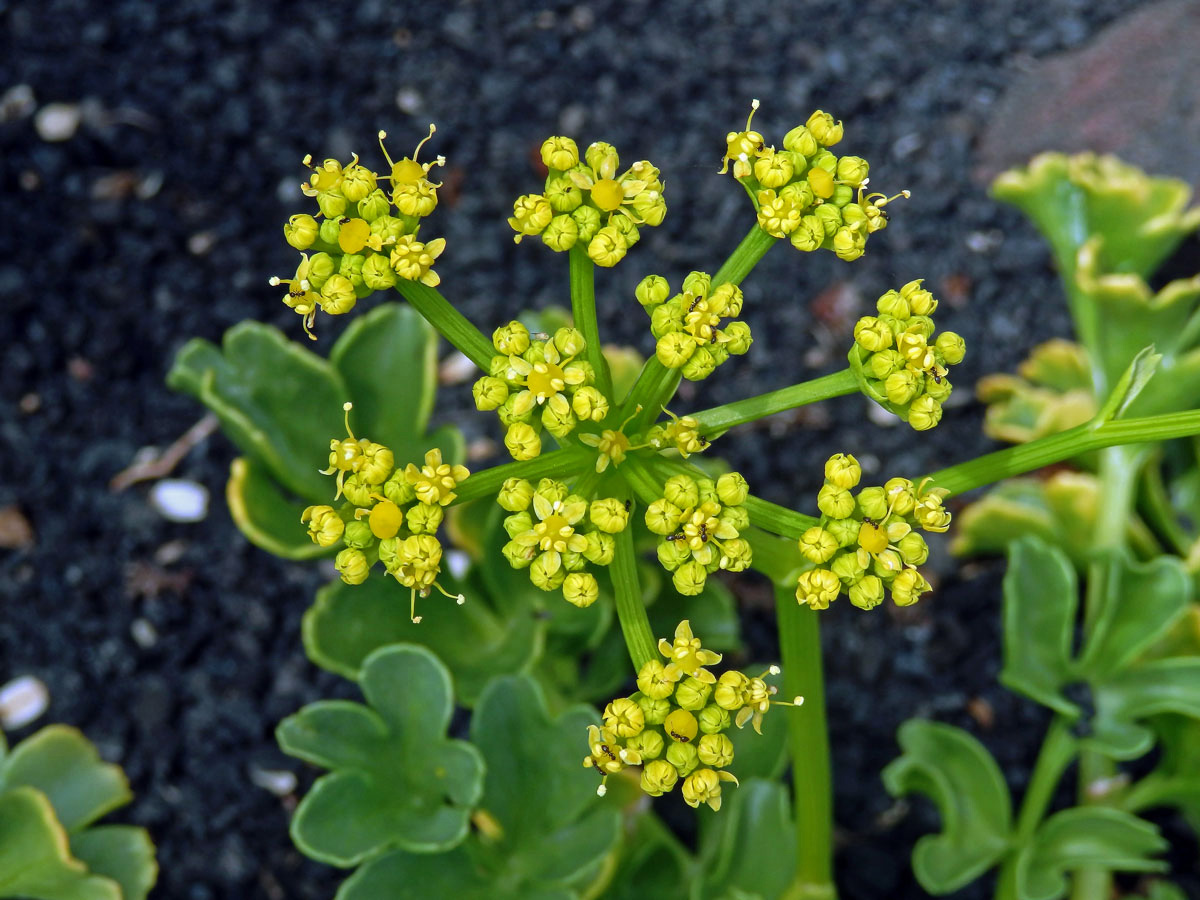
177 647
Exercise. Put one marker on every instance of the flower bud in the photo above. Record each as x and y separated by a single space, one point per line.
325 527
623 717
332 205
919 300
424 518
818 545
852 170
700 364
867 592
522 441
824 129
489 393
653 290
386 230
952 347
893 304
357 182
835 502
552 491
609 515
589 404
884 363
673 554
873 502
662 516
675 349
802 141
817 588
692 694
730 690
398 490
930 513
849 244
732 489
358 491
682 756
648 743
358 535
886 564
558 420
682 492
301 231
561 234
560 153
902 499
809 234
842 470
902 386
773 170
608 247
659 777
704 786
374 205
739 338
913 549
907 587
778 215
654 709
563 195
924 413
352 565
713 719
519 556
601 548
715 750
518 523
872 335
689 578
531 214
337 295
515 494
653 682
938 387
377 273
848 568
589 220
546 572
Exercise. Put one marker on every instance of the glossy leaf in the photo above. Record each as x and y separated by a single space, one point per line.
64 765
653 863
347 623
545 833
1081 837
388 361
1132 695
954 770
278 402
120 852
396 780
1040 603
35 859
265 515
749 849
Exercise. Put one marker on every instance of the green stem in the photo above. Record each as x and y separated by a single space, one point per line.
808 745
745 257
555 464
1057 447
778 519
722 418
777 558
631 612
449 322
1059 748
583 310
1156 508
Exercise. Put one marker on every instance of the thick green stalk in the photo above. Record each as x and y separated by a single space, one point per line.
555 464
1059 748
583 310
745 256
808 745
777 558
722 418
1057 447
631 612
449 322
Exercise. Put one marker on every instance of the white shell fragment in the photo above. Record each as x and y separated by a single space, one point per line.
22 701
177 500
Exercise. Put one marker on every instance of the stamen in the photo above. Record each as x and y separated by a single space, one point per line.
412 609
382 137
457 598
346 407
417 152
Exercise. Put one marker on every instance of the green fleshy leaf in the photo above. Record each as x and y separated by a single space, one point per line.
1040 603
35 858
268 519
1139 604
64 765
961 777
1164 890
749 849
1081 837
396 780
1019 412
653 863
120 852
543 832
388 362
1133 380
346 623
1134 694
1059 365
278 402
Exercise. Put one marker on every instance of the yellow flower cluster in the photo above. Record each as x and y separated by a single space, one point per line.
688 325
364 236
673 725
868 542
392 515
700 521
539 382
555 534
899 362
806 193
587 202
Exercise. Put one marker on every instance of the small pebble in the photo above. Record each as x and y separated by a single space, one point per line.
409 100
279 782
457 563
17 103
177 500
880 416
56 122
455 369
144 634
22 701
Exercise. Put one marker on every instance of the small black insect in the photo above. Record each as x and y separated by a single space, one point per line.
674 537
693 304
628 505
703 532
343 220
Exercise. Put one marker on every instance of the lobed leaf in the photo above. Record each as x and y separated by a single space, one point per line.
120 852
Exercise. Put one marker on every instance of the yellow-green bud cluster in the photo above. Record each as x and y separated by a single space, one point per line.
868 542
688 325
586 202
539 382
682 433
701 522
673 725
806 193
899 361
364 236
391 516
554 534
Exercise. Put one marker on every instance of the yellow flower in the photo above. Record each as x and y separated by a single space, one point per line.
687 656
435 481
741 147
413 260
554 532
544 382
704 786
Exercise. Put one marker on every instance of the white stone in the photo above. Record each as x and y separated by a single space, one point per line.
177 500
22 701
57 122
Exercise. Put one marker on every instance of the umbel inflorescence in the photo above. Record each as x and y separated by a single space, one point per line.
594 474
